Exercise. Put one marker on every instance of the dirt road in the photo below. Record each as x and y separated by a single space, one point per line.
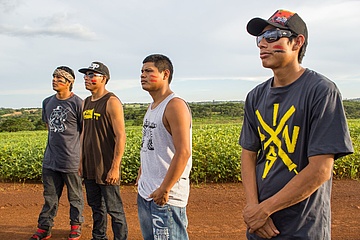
214 212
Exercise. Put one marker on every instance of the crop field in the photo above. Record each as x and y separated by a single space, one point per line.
216 154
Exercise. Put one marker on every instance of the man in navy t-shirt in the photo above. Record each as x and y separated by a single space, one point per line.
62 113
294 128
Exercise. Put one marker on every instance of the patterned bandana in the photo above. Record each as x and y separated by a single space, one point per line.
63 73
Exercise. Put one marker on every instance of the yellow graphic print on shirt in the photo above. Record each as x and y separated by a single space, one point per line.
91 114
272 143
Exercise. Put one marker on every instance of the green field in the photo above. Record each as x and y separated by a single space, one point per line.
215 154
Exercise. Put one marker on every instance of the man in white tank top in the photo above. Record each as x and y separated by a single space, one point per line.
163 181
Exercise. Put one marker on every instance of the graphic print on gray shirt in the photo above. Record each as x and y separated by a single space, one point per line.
64 119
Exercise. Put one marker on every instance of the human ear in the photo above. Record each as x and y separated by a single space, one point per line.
299 42
166 74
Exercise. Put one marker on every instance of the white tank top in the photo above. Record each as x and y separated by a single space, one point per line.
157 151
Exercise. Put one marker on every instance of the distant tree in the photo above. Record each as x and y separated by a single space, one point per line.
134 114
39 125
30 119
16 124
352 109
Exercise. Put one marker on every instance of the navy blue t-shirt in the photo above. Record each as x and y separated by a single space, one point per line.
286 126
64 119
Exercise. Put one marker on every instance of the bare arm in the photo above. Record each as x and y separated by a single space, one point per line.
302 185
177 120
298 189
115 110
248 175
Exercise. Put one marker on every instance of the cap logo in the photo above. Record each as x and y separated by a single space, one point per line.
94 66
281 17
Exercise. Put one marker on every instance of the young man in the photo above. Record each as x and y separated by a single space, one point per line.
102 150
62 114
294 128
163 181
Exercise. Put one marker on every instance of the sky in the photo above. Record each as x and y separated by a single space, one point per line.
214 57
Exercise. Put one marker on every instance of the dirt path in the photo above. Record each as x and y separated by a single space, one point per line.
214 212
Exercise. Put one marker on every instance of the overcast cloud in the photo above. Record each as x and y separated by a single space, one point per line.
213 55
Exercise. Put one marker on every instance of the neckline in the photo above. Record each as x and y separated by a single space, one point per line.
160 103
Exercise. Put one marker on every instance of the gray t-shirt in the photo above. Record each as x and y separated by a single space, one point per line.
286 126
64 119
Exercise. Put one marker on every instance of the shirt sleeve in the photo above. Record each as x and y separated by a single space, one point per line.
329 133
43 112
249 136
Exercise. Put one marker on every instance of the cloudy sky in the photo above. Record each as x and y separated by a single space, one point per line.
213 55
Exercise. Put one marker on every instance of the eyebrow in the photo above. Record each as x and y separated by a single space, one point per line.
147 69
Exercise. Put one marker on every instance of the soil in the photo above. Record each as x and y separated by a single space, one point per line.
214 211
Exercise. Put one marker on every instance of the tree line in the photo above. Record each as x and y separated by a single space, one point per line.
13 120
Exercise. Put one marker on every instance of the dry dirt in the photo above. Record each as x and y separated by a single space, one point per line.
214 212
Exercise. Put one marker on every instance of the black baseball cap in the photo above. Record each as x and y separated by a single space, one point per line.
282 19
97 67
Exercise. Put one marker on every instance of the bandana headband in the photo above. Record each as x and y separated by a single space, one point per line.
63 73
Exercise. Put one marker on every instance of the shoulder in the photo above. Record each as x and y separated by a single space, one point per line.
113 99
317 78
113 105
177 106
76 100
48 99
87 99
259 90
319 84
177 101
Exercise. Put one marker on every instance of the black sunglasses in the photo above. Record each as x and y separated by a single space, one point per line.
92 74
273 35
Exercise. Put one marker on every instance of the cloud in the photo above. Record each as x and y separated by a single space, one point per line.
71 31
57 22
206 40
7 6
54 26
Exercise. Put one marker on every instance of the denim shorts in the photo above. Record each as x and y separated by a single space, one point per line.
162 222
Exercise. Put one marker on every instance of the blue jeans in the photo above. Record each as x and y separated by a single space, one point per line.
162 222
105 199
53 182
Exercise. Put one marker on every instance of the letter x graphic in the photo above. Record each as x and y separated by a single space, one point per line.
274 139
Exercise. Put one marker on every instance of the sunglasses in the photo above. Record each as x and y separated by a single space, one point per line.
91 75
273 35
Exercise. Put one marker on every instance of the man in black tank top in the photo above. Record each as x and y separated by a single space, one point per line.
103 146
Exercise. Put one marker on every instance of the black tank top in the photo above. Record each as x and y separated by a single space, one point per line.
99 139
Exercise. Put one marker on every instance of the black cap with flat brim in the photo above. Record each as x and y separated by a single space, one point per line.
97 67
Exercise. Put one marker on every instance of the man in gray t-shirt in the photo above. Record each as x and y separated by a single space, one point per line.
62 113
294 128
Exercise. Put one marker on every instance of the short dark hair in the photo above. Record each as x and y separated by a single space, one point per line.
302 49
161 62
70 71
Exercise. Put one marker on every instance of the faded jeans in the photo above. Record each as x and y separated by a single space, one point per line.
53 182
162 222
